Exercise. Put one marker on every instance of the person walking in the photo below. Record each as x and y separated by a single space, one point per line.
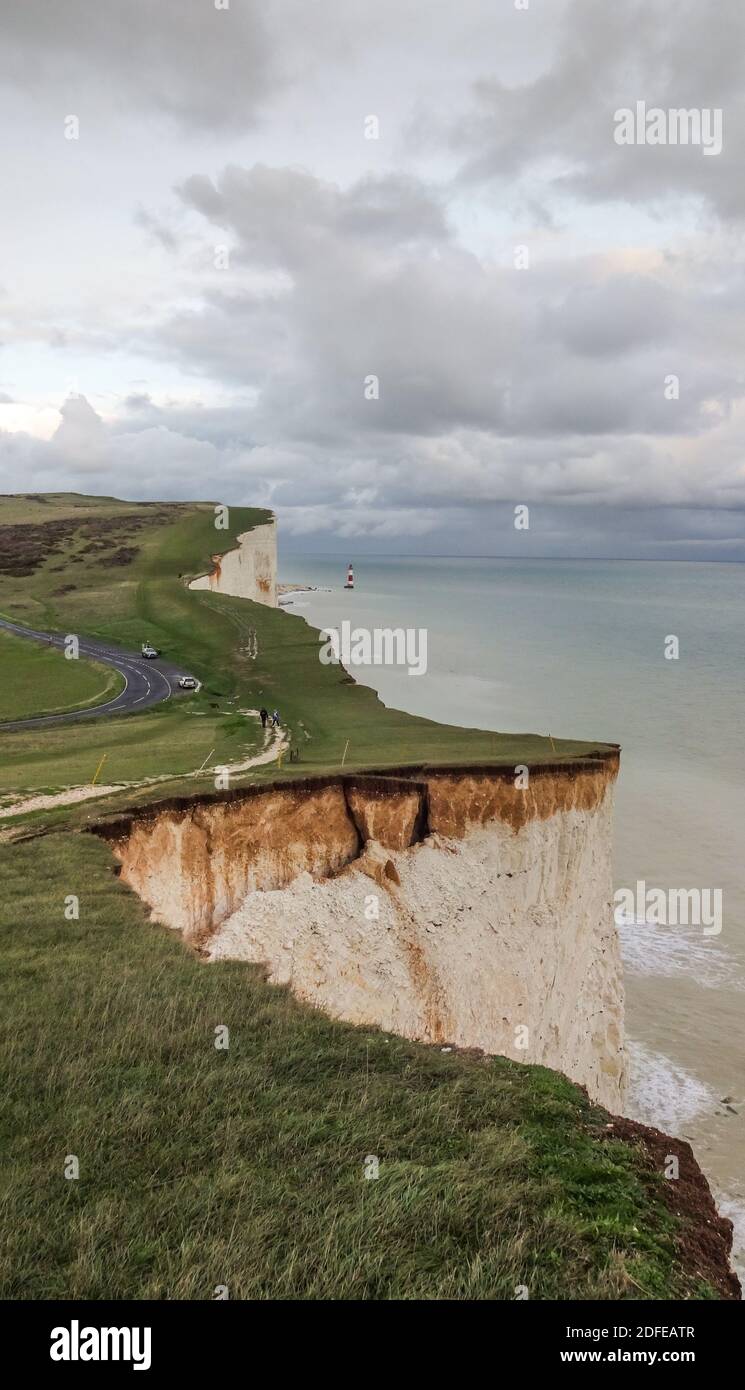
275 719
263 716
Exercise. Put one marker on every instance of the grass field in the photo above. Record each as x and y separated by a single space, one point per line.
119 571
144 745
141 596
246 1167
40 680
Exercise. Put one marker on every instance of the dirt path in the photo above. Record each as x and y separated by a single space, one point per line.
275 742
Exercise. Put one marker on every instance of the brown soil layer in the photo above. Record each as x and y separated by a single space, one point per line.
705 1241
558 781
194 859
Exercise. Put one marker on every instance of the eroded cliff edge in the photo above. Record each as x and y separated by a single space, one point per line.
447 906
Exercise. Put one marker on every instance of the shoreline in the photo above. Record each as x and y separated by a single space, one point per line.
692 1123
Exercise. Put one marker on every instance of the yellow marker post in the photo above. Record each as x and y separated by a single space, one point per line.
553 745
98 769
200 769
280 756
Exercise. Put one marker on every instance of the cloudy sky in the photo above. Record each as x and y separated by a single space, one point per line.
195 291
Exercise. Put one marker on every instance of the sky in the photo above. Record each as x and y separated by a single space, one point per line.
381 266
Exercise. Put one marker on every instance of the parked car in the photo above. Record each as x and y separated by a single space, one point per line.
188 683
148 650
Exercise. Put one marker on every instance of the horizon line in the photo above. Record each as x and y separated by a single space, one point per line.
561 559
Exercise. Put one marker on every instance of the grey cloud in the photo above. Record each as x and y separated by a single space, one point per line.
456 342
288 217
496 386
587 497
80 437
139 403
614 316
686 55
156 228
202 66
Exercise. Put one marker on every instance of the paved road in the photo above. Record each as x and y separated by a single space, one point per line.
146 682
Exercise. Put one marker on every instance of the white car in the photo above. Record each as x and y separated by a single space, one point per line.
149 651
188 683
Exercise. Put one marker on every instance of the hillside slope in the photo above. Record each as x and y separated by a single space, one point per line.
121 571
226 1133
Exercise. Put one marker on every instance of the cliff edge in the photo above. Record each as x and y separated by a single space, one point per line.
450 906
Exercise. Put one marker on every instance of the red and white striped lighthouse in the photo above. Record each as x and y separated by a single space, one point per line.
350 577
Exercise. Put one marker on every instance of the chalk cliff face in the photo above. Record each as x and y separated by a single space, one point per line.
249 571
451 908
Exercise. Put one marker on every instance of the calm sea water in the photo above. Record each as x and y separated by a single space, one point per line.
577 649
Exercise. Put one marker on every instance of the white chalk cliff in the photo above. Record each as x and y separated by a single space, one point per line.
249 570
449 907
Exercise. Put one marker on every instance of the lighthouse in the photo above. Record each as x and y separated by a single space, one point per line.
350 577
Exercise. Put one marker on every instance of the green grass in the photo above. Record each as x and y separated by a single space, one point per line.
41 680
148 598
245 1167
157 744
144 599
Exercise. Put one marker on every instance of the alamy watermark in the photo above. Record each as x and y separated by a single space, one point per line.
670 907
76 1343
652 125
378 646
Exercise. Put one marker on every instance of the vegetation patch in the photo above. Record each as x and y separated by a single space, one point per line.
38 679
246 654
253 1165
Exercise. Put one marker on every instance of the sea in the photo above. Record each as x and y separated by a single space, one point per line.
650 655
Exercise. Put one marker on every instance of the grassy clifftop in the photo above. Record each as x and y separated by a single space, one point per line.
119 570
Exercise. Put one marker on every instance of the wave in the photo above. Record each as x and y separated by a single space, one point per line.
668 1097
663 1094
650 949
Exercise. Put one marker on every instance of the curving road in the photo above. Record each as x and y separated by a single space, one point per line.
145 682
